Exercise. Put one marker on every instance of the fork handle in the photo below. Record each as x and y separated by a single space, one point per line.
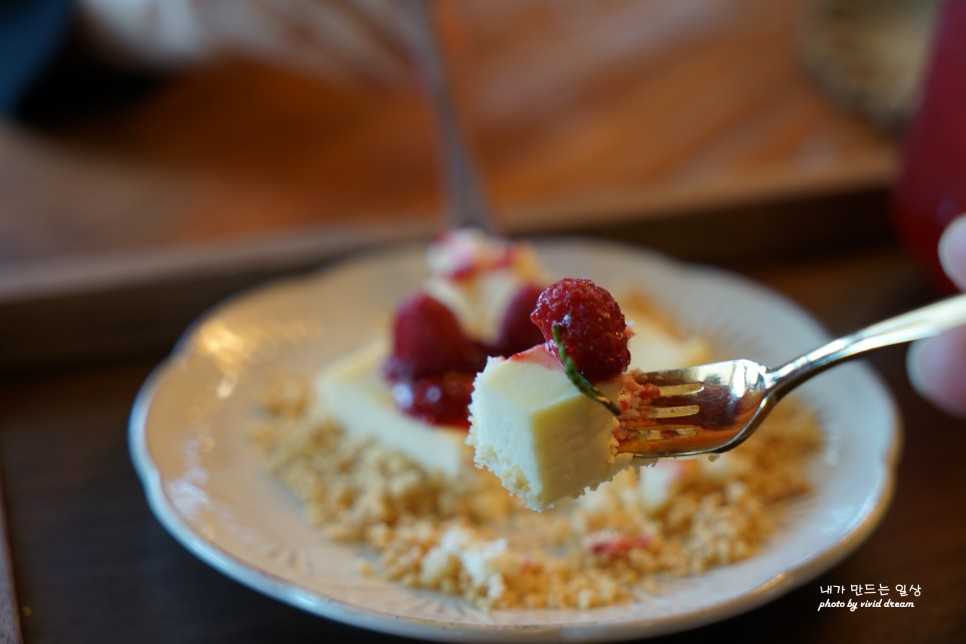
917 324
468 203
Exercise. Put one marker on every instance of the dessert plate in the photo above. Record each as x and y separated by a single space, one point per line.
189 442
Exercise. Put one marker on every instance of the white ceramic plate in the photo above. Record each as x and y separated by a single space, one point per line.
189 443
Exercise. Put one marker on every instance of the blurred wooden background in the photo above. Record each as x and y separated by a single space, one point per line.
584 116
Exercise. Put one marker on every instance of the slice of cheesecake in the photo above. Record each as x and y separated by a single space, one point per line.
354 393
408 389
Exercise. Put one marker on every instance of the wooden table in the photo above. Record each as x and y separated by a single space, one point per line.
119 223
642 110
701 138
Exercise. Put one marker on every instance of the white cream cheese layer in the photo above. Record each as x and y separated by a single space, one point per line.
537 432
354 394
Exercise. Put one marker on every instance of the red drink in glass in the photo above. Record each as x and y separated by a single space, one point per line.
931 188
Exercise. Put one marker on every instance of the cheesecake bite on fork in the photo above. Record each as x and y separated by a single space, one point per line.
552 421
567 415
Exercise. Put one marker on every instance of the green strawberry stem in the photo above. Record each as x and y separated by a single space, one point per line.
580 381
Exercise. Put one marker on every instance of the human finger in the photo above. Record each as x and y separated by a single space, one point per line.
937 370
952 251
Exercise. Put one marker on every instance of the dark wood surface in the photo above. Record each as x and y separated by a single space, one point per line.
92 564
123 214
703 138
623 110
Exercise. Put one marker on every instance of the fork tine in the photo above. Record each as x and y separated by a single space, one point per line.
675 411
680 390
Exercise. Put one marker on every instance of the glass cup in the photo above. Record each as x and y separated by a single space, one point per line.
931 186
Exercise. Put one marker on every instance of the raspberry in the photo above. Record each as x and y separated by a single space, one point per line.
428 341
593 329
517 331
437 399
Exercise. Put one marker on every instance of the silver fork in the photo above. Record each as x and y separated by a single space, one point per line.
468 203
712 408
